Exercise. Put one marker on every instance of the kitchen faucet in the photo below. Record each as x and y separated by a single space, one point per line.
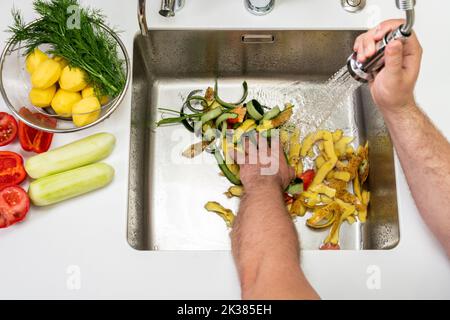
365 71
259 7
169 7
362 72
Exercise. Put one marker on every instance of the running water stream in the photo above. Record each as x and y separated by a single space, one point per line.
315 102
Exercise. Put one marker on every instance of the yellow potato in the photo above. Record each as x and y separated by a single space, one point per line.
63 102
34 59
62 62
72 79
323 189
226 214
86 111
42 97
342 175
90 92
320 160
294 148
46 74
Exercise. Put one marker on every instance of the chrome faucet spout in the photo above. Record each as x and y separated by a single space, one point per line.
364 72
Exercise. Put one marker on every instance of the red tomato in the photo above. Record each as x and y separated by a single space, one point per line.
12 171
330 246
32 139
307 177
288 199
14 205
240 111
8 128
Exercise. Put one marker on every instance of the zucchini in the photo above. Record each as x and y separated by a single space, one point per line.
211 115
73 155
275 111
295 189
225 170
230 105
224 117
255 110
69 184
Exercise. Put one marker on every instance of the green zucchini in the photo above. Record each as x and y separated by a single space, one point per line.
73 155
211 115
224 117
69 184
295 189
230 105
275 111
225 170
255 110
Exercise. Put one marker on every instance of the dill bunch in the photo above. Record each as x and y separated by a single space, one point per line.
86 46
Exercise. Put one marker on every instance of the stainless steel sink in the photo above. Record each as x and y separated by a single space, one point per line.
167 193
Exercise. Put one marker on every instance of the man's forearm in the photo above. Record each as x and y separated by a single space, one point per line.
266 247
425 157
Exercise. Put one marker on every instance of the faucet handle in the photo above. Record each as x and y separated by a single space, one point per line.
169 7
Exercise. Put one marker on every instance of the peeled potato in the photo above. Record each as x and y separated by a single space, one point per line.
86 111
34 59
46 74
42 97
72 79
63 102
62 62
89 92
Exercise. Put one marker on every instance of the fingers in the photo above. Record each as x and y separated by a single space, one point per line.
412 56
365 44
394 57
385 27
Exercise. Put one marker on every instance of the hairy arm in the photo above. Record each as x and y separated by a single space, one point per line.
423 151
425 157
264 240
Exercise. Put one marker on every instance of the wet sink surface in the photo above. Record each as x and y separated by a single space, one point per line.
167 192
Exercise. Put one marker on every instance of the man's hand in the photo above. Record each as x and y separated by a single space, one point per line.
264 240
257 164
393 87
423 152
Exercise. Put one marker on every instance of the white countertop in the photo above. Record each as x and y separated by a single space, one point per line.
85 238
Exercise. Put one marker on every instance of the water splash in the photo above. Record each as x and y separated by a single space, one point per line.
317 103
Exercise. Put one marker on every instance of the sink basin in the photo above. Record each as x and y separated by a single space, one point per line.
167 192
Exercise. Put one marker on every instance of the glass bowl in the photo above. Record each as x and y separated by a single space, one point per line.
15 86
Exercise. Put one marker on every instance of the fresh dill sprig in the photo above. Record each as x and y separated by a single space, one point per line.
84 44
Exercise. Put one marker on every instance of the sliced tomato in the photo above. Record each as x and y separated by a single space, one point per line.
32 139
288 199
14 205
240 111
8 128
307 177
12 171
330 246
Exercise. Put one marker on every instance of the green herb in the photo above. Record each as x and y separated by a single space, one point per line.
74 34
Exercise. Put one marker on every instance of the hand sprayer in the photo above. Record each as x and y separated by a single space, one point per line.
365 71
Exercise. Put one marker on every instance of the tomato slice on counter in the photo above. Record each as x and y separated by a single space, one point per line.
12 171
14 205
8 128
32 139
307 177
